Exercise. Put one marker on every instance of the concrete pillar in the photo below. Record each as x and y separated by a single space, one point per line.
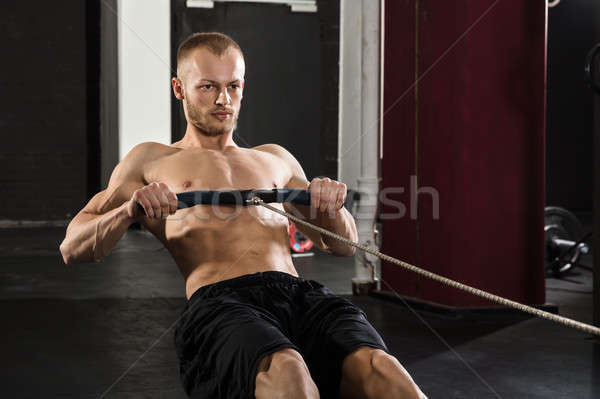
367 266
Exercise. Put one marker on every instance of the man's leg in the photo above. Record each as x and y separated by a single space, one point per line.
371 373
284 374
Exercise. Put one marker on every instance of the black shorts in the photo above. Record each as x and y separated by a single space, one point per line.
227 328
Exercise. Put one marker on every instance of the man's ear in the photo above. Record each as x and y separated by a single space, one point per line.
178 88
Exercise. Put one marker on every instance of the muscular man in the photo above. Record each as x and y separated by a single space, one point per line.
251 326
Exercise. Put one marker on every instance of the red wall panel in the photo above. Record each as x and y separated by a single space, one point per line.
473 129
398 164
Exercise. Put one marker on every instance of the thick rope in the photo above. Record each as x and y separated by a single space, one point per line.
475 291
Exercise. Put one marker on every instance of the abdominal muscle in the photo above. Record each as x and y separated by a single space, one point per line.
211 244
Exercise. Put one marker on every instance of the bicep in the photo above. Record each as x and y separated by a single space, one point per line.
104 201
297 176
89 212
124 180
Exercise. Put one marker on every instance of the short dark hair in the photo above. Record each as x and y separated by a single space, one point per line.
217 43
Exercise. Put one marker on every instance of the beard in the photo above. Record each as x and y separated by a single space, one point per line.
207 124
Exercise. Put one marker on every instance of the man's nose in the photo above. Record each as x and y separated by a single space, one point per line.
223 98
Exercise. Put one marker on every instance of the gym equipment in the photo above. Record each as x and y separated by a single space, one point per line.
444 280
241 197
565 241
299 243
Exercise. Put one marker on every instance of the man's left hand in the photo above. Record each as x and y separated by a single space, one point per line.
327 195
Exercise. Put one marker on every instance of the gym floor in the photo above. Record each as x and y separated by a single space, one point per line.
105 330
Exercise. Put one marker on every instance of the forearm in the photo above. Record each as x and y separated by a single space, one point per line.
341 223
91 237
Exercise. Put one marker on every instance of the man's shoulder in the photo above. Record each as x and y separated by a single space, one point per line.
147 151
285 156
151 147
137 159
274 149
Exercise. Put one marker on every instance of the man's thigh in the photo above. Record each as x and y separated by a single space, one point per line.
332 327
220 345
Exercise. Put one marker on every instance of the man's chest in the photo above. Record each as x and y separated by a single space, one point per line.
240 169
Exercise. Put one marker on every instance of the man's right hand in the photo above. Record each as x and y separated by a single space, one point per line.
156 200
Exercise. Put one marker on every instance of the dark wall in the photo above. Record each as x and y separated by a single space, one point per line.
48 125
291 93
572 31
595 66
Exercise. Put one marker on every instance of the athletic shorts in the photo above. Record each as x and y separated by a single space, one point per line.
227 328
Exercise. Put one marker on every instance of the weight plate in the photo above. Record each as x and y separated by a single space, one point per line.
298 241
559 223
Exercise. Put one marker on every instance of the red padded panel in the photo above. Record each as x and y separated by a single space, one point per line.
399 234
477 137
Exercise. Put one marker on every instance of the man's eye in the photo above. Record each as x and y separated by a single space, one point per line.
207 87
234 86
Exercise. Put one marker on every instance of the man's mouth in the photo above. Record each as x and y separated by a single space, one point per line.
222 115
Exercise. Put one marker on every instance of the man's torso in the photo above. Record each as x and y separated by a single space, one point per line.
213 243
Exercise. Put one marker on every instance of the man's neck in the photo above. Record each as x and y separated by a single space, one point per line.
194 138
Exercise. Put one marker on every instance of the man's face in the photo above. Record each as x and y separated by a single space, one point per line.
212 90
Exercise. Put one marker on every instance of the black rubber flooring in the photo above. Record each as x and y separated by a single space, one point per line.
105 330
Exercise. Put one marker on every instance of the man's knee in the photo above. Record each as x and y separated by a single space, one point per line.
388 373
284 374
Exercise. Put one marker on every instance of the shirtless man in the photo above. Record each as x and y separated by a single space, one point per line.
251 326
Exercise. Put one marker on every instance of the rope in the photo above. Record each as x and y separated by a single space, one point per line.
474 291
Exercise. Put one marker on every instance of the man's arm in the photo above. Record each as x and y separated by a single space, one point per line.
326 209
102 222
